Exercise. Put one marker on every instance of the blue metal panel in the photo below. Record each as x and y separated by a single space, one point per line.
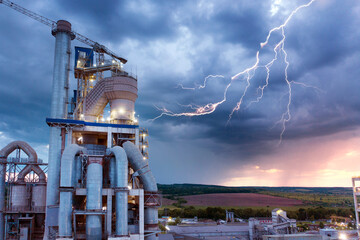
51 121
89 55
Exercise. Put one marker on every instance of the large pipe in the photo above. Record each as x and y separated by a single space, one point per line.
78 171
112 172
66 188
30 152
4 153
63 37
29 168
94 183
121 191
141 166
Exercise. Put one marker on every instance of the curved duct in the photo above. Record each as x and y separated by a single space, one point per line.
121 91
29 168
112 172
4 153
67 177
121 190
141 167
77 171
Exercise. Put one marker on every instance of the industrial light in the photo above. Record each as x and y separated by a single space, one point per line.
129 187
108 119
135 120
121 111
342 236
80 138
102 119
82 115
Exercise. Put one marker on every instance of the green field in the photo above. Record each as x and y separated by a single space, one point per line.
318 203
318 196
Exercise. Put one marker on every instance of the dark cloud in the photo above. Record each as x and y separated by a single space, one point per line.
171 42
114 21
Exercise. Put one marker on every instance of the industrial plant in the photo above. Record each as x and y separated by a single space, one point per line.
97 183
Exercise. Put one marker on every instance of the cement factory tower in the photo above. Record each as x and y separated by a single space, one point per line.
59 99
98 184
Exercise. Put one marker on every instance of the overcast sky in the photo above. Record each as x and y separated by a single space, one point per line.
168 43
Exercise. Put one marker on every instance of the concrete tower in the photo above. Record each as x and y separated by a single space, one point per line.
63 37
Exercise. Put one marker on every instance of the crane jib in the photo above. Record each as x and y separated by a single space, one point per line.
97 47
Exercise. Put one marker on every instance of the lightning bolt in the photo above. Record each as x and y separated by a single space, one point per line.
248 75
201 86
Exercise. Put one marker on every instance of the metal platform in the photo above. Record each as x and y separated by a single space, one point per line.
58 122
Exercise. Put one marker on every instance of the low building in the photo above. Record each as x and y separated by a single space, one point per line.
302 236
278 224
211 232
323 234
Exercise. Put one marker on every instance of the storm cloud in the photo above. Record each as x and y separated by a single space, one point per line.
168 43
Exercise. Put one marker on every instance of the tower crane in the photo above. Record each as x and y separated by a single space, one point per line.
97 47
85 76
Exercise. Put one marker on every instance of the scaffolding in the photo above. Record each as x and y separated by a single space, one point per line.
87 78
16 219
356 193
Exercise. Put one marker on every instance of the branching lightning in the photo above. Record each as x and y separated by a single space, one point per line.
201 86
248 75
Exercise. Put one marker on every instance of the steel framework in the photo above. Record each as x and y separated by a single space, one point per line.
356 193
14 165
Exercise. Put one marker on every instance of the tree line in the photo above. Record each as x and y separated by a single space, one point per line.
217 213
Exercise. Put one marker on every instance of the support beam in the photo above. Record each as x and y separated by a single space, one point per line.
109 138
69 137
141 213
109 213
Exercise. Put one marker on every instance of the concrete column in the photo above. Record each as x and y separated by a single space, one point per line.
109 212
69 137
109 138
52 193
94 185
137 137
141 213
59 98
